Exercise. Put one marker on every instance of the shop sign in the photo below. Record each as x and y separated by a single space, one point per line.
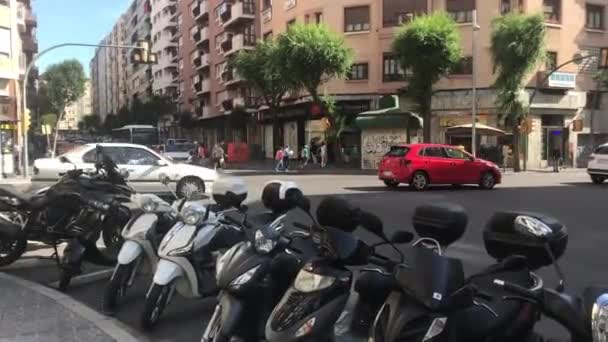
562 80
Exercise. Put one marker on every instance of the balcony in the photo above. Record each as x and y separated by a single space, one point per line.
29 43
199 35
200 85
168 22
240 42
239 12
267 15
226 43
31 19
201 11
200 60
557 80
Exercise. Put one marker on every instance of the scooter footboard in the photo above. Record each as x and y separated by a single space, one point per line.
166 272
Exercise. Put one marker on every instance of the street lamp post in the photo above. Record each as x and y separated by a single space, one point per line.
476 29
147 57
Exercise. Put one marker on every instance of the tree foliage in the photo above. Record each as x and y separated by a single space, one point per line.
91 123
144 113
517 46
312 55
62 84
428 47
49 119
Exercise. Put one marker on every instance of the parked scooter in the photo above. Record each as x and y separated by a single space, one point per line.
186 253
142 235
253 275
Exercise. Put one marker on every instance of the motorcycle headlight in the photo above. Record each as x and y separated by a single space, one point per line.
599 319
182 251
149 206
192 217
244 278
263 245
310 282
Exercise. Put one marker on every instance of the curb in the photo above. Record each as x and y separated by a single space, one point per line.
113 328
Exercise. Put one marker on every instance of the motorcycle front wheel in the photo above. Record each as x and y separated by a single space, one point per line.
11 249
116 288
213 330
156 300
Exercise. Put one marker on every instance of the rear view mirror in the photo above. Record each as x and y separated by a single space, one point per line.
401 237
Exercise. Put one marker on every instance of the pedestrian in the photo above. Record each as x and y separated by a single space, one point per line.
287 153
218 155
278 157
323 152
201 153
314 150
16 158
305 155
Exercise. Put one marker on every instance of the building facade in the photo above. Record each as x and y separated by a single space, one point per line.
74 113
18 44
165 27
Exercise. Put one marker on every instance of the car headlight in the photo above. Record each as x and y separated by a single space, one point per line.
244 278
310 282
263 245
182 251
192 217
599 319
149 206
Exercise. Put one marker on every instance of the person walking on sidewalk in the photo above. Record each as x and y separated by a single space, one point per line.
218 156
305 156
278 157
201 153
287 154
323 152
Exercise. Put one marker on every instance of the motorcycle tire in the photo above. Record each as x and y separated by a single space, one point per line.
116 288
64 280
156 300
11 250
213 332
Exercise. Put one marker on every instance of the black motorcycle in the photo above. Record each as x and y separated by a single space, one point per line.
76 209
253 275
314 302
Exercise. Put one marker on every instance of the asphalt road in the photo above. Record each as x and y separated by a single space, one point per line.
569 197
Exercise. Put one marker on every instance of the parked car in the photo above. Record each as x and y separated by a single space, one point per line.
420 165
143 164
597 168
178 149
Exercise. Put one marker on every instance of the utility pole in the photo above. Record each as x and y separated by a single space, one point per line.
476 29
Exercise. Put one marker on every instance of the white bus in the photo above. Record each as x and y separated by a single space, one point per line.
137 134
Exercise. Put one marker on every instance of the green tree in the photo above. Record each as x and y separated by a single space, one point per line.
266 73
155 108
91 123
517 46
64 83
428 47
312 55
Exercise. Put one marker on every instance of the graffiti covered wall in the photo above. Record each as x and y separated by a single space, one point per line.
375 143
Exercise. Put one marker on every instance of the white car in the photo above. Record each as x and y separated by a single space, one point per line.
143 164
178 149
598 164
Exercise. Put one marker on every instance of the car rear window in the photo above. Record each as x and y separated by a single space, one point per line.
601 150
397 151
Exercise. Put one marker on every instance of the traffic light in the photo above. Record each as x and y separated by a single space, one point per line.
142 54
26 120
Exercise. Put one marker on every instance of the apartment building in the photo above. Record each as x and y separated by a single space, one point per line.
18 44
74 113
165 28
369 27
138 26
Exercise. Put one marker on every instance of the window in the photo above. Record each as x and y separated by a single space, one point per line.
218 41
465 67
601 150
291 22
139 156
593 102
319 17
356 19
116 153
397 12
434 152
595 17
268 35
552 10
461 10
358 72
397 151
505 6
551 62
455 153
391 69
217 12
266 4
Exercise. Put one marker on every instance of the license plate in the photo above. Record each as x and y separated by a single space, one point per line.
387 173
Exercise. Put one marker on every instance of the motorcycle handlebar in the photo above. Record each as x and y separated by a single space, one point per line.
518 290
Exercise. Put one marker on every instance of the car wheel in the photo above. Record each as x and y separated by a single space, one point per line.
190 185
391 183
487 180
420 181
597 179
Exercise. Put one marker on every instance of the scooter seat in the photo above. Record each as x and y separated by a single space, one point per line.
28 199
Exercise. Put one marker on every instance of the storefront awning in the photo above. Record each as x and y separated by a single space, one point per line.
480 129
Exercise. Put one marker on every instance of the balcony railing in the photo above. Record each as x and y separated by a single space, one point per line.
29 44
201 10
241 41
267 15
227 43
199 35
201 61
31 19
237 12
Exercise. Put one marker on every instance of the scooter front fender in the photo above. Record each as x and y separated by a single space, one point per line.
129 251
166 272
232 314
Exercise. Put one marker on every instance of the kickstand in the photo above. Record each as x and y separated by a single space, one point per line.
55 254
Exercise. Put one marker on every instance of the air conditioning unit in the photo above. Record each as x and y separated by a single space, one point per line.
405 18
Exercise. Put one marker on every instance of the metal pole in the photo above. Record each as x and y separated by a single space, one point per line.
24 91
474 83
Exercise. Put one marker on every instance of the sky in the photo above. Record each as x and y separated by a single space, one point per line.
74 21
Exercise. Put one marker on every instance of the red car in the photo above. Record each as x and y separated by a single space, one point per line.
422 164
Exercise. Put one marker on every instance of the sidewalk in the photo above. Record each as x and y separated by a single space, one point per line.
268 167
33 312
